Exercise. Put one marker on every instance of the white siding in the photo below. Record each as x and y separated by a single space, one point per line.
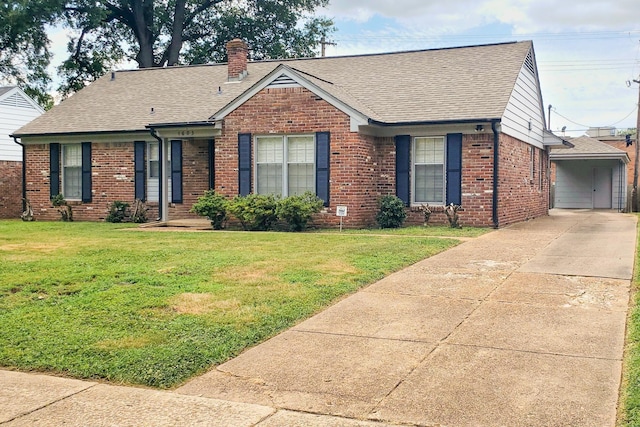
574 183
15 112
525 105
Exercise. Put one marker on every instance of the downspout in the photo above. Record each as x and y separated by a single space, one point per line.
162 178
496 158
24 173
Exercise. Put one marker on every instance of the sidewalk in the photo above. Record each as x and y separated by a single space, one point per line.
523 326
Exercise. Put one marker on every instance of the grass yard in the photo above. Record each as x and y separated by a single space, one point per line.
91 300
630 391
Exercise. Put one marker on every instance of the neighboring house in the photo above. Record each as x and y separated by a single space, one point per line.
16 110
460 125
591 175
620 142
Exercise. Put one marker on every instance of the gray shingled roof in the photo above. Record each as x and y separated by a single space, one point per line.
587 147
464 83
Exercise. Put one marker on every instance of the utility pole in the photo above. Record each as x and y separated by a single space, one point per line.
634 194
323 45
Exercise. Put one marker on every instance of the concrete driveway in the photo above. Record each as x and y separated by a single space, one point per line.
521 327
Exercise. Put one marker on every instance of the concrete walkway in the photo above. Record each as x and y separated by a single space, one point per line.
521 327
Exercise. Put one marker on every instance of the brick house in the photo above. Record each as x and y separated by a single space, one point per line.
16 110
460 125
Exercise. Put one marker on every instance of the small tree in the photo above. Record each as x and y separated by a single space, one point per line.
214 206
391 213
297 210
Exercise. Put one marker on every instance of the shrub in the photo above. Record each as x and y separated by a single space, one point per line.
297 210
391 213
214 206
117 212
66 213
255 211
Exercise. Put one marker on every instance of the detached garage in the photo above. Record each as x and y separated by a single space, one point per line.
591 175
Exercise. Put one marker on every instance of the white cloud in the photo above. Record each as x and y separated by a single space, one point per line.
586 49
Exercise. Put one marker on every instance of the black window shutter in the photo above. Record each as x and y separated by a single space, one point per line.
54 170
323 142
140 169
454 168
403 163
86 172
212 164
176 171
244 163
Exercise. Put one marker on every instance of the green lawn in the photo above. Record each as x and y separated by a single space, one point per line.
95 300
630 391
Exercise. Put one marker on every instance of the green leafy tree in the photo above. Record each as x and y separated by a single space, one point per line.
24 46
157 33
153 33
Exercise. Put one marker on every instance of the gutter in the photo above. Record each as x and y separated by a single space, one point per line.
433 122
496 161
154 134
24 173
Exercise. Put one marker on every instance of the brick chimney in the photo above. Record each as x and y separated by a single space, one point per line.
237 54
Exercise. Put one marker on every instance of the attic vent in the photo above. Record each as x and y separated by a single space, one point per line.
528 63
16 100
283 81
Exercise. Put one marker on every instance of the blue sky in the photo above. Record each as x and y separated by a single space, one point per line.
586 50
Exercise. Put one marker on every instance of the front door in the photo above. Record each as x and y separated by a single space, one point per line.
602 179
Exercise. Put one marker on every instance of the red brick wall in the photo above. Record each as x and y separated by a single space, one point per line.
298 111
521 197
362 168
477 184
10 189
111 175
631 152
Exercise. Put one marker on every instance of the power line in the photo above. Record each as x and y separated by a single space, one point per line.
587 127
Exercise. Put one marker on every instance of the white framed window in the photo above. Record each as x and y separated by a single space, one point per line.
428 174
285 164
153 171
72 171
153 160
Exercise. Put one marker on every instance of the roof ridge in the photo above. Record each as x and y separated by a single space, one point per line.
323 58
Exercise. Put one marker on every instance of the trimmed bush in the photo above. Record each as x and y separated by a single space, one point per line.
297 210
214 206
256 212
392 212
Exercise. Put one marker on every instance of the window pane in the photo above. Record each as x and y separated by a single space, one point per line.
300 149
72 155
154 169
269 149
72 180
269 176
429 184
154 151
301 178
429 150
